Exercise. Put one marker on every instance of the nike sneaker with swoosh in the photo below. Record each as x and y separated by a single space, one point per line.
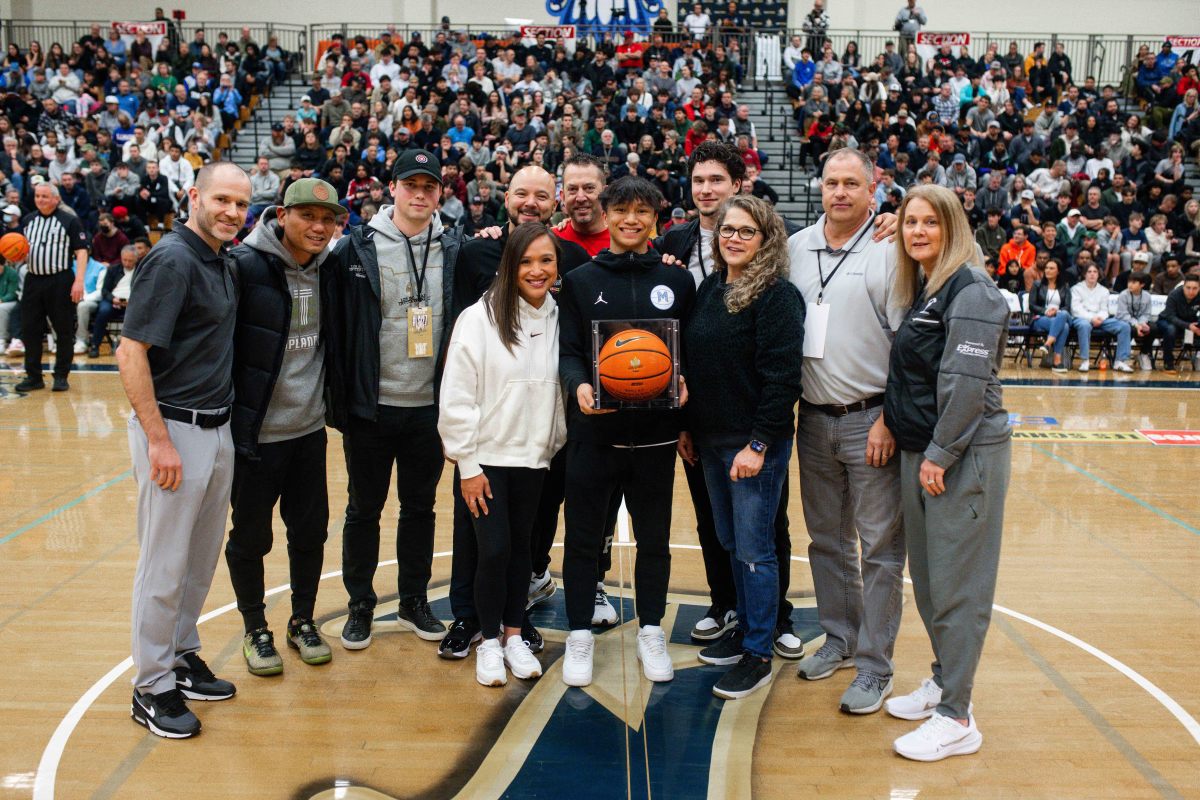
197 681
165 714
940 737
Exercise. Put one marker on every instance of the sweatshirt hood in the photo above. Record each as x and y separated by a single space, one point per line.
624 262
383 224
267 237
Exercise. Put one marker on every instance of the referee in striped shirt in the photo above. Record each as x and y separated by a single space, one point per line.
52 287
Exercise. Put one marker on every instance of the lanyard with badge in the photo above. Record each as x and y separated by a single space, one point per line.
420 314
816 321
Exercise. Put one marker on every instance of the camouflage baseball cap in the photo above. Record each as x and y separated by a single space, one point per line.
313 192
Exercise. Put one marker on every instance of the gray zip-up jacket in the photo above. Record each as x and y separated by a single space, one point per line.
1134 309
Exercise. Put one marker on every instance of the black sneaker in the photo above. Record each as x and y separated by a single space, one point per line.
356 633
60 385
93 351
30 385
418 618
531 636
197 681
165 714
750 674
458 640
726 650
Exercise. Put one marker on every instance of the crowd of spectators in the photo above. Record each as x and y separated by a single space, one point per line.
118 129
1049 165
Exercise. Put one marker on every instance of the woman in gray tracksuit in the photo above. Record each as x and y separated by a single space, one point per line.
943 404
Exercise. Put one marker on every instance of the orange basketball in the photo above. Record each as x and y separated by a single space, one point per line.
635 365
14 247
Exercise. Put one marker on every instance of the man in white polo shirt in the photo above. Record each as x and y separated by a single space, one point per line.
849 480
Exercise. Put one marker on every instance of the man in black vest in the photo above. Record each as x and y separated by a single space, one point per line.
281 365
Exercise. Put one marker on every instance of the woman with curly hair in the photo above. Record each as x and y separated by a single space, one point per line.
748 322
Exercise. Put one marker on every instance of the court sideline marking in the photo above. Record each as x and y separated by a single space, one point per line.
47 771
49 515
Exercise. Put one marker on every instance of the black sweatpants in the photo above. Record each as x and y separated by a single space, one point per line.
646 477
408 439
716 558
291 473
48 296
502 538
545 528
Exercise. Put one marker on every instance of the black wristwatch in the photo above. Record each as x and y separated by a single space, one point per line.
758 447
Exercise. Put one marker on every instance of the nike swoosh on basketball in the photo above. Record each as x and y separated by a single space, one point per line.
623 342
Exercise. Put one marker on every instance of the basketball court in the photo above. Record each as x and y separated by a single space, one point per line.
1087 686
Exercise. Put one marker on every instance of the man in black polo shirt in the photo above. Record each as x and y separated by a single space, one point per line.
176 360
52 288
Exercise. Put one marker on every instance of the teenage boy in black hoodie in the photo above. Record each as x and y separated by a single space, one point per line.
632 450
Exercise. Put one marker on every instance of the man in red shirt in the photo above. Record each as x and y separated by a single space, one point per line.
583 180
629 54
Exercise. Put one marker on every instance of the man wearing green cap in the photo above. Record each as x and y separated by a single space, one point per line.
282 364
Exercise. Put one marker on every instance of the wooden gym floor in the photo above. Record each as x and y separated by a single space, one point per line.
1087 686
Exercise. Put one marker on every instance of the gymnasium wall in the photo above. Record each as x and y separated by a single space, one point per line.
1094 16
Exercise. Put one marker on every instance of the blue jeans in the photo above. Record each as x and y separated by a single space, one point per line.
1055 326
744 516
1111 325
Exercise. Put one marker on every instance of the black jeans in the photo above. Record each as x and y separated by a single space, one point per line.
464 562
1170 335
502 538
48 296
407 438
716 559
291 473
646 477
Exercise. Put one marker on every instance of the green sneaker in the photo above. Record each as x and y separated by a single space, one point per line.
303 635
258 647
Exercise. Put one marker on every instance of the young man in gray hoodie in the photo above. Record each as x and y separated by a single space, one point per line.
282 362
395 283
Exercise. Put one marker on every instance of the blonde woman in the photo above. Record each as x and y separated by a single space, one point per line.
944 406
749 323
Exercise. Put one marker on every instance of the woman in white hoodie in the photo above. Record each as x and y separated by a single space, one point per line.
1089 312
502 420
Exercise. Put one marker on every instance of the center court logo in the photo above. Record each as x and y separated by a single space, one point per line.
626 730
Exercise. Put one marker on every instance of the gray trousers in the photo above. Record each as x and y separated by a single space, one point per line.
848 503
179 535
953 556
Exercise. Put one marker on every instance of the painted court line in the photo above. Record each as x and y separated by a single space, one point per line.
1118 490
47 771
49 515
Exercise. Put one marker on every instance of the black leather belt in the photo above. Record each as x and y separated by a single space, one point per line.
201 419
841 411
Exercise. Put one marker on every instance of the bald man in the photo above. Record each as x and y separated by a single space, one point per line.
176 361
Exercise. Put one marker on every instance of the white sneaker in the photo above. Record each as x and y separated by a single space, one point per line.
1122 366
603 615
541 587
51 345
520 659
652 652
15 348
3 345
715 625
916 705
940 737
1084 367
80 347
577 661
1145 363
489 663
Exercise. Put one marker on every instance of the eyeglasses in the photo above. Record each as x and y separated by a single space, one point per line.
745 234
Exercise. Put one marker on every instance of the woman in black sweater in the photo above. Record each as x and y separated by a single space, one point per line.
747 332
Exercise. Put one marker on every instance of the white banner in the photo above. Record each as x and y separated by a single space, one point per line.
155 32
1186 47
928 43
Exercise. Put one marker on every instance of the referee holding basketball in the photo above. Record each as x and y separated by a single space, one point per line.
52 288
